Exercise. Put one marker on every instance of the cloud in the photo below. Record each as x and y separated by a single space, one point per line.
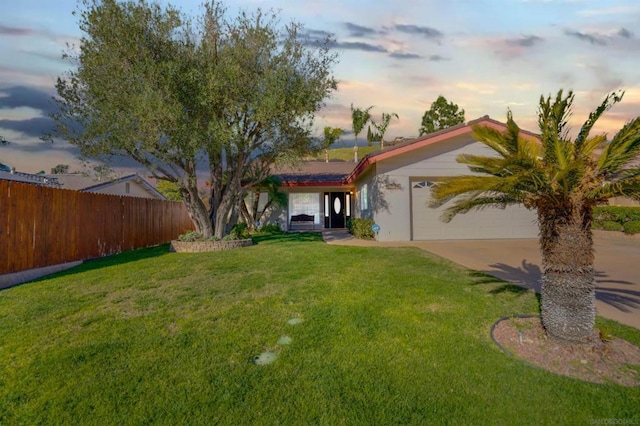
426 32
625 33
613 10
524 41
404 55
32 127
358 45
15 32
591 38
23 96
437 58
315 37
356 30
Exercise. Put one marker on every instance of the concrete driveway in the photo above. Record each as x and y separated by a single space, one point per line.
617 265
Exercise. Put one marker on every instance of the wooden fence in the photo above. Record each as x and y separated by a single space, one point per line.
41 226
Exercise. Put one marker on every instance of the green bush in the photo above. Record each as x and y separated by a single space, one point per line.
361 228
193 236
610 225
632 227
614 218
239 232
271 228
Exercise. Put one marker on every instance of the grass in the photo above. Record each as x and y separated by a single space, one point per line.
388 336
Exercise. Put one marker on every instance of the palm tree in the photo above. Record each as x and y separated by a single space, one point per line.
250 210
359 119
562 179
331 134
383 125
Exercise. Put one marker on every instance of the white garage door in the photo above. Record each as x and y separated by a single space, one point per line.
511 222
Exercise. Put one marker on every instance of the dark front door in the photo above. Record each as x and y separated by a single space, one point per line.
337 208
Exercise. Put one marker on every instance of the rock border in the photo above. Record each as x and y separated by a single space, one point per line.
207 246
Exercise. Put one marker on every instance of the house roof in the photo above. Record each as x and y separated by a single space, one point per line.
30 178
75 181
129 178
341 173
80 182
315 173
427 140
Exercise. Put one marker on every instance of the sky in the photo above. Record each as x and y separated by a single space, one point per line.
487 56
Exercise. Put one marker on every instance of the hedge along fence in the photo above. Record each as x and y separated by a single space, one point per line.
617 218
41 226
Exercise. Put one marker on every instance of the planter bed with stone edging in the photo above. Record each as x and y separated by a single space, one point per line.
204 246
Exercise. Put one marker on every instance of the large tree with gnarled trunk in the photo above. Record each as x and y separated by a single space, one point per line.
213 98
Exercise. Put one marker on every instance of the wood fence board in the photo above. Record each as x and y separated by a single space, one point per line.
41 226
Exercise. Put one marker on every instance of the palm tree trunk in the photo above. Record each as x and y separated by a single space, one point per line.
568 279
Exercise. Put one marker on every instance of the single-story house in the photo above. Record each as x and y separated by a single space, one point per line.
131 185
393 187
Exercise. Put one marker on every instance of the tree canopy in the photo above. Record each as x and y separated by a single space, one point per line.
224 96
441 115
562 179
359 118
60 169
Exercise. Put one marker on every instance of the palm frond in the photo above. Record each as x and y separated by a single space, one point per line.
492 138
629 187
607 103
553 119
477 202
623 148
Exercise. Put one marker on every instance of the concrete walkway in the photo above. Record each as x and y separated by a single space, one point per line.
617 265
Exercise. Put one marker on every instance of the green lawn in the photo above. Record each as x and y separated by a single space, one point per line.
387 336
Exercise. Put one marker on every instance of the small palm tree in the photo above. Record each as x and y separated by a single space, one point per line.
383 126
359 118
331 134
562 179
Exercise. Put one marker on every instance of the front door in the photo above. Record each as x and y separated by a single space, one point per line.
337 208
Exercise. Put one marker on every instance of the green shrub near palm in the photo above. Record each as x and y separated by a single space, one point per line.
609 225
632 227
361 228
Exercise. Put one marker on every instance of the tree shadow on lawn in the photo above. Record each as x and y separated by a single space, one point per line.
103 262
528 277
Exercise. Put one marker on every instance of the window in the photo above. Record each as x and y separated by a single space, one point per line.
305 204
364 197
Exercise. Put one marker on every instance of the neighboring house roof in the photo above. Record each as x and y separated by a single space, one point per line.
75 181
84 183
315 173
41 180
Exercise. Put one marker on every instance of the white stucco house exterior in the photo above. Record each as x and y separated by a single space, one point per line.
392 187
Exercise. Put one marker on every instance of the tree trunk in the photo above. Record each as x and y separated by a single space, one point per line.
568 280
197 211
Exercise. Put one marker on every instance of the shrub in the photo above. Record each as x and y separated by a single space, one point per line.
604 217
239 232
361 228
190 236
193 236
271 228
610 225
632 227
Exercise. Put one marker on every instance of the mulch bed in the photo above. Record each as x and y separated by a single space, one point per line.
610 360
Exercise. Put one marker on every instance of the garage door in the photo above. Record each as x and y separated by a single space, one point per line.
511 222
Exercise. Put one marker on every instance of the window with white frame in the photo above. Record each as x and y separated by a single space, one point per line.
305 203
364 197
